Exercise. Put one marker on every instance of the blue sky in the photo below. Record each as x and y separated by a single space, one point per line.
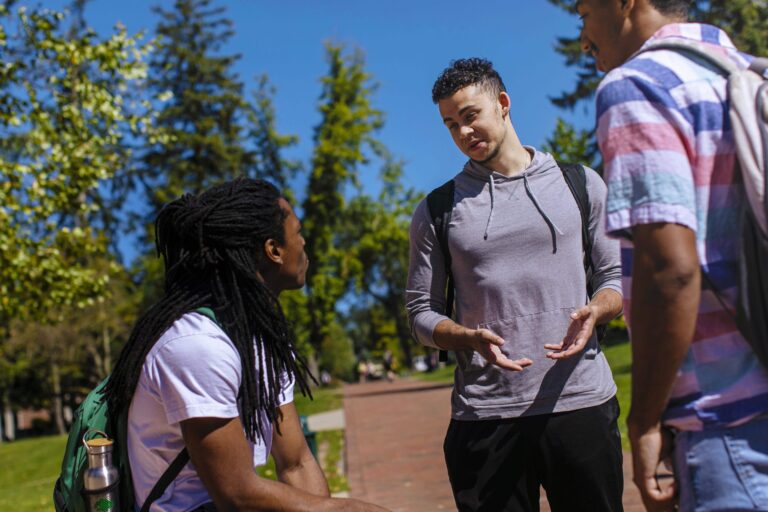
406 44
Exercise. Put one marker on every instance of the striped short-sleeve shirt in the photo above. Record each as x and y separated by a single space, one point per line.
668 148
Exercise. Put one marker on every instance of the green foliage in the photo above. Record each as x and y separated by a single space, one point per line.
568 145
378 242
336 354
202 117
348 120
269 144
67 114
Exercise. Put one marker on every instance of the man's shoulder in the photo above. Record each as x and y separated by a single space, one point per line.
192 333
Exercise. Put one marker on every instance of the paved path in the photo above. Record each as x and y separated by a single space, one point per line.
394 435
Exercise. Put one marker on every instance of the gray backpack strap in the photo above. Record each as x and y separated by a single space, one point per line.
723 63
759 65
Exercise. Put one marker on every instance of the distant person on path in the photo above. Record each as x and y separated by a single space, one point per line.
674 198
223 389
388 361
362 371
533 402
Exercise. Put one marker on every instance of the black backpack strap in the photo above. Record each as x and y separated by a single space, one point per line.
440 205
576 178
165 480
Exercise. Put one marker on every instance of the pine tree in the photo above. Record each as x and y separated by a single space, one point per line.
204 115
345 131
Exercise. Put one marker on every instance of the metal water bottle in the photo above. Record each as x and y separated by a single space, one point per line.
101 480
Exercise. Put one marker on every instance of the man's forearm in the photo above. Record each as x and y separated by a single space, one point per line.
607 303
448 335
307 476
665 300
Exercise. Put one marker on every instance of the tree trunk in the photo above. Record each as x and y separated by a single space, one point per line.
8 419
58 409
106 346
313 367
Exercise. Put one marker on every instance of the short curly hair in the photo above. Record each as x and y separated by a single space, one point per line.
465 72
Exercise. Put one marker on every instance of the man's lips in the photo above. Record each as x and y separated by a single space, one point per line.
474 145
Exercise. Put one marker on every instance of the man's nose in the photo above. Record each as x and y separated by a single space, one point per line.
465 130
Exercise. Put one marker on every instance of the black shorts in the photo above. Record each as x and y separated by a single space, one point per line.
498 465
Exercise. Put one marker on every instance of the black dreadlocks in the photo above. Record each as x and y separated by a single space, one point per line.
212 245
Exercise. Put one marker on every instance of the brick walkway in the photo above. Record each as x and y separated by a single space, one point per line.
394 439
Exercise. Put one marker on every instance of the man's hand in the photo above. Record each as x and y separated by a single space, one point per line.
583 322
649 449
487 344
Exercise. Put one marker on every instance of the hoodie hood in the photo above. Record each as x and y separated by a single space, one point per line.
541 163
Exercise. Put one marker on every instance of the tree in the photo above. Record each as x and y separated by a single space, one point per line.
345 131
204 112
379 248
67 114
568 145
269 143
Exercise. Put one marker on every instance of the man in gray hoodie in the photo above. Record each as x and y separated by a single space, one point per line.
533 401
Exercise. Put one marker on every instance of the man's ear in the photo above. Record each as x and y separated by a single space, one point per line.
273 252
505 102
627 6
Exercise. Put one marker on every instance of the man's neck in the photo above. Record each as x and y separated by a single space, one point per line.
512 159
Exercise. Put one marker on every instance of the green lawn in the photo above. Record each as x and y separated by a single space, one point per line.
28 471
29 467
620 359
323 399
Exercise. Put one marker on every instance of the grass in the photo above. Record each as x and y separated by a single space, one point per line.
28 471
619 358
323 399
30 467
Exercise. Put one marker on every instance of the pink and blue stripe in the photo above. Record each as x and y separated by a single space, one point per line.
666 140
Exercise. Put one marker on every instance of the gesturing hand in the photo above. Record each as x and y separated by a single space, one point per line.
487 344
579 331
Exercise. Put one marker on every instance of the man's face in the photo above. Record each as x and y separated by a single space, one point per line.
604 32
476 121
293 270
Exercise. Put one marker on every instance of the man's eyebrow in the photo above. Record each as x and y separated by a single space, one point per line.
461 112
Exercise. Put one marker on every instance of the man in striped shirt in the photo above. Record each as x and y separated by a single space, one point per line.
674 200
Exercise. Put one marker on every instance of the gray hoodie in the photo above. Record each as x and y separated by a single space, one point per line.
517 262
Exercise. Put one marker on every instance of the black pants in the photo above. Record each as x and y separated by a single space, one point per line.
498 465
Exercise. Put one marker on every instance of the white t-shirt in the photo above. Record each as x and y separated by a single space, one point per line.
192 371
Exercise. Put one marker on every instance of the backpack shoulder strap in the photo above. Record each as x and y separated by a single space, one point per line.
440 205
692 48
166 478
206 311
576 178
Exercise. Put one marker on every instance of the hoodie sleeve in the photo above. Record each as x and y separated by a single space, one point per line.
425 291
606 255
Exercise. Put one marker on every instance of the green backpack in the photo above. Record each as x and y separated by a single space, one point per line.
94 415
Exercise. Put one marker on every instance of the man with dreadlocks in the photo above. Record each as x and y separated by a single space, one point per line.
217 388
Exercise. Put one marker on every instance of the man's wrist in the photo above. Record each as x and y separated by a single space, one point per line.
638 425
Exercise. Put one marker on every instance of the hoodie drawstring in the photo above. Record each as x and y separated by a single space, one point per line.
490 215
552 227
